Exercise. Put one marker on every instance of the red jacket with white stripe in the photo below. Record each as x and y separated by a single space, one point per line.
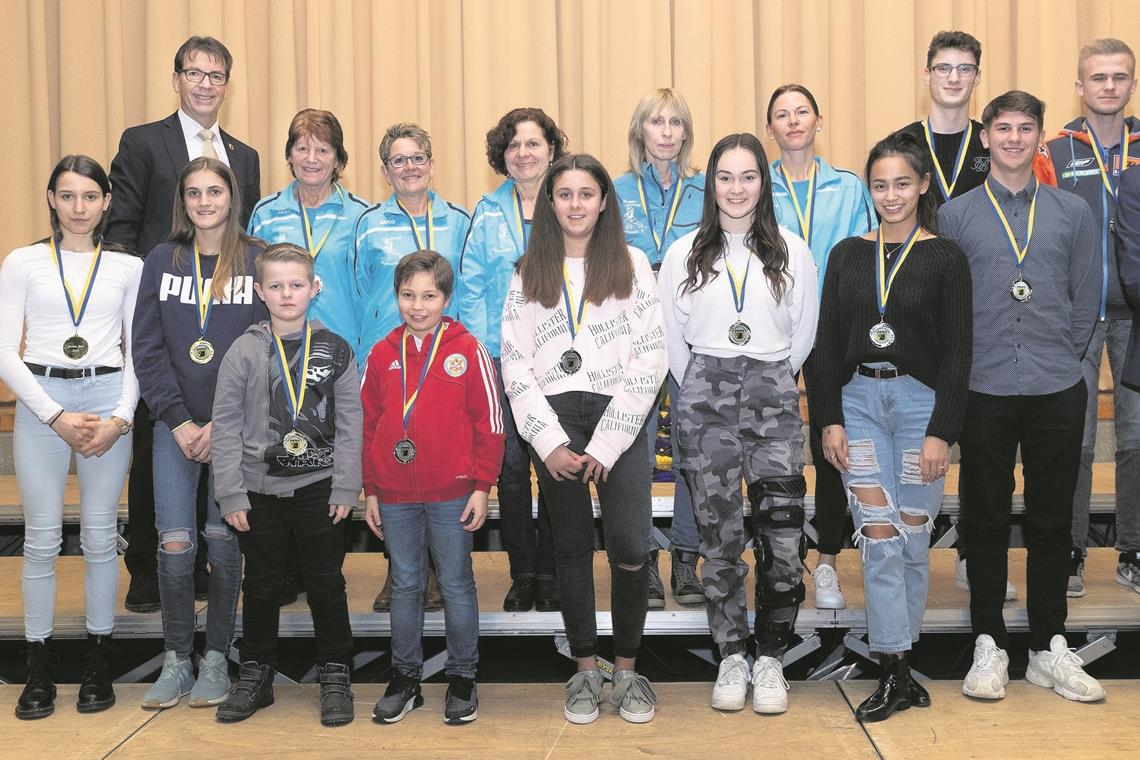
456 423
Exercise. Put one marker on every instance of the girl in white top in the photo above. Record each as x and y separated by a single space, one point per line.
77 393
738 298
583 355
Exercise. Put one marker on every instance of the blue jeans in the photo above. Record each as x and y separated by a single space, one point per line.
175 506
886 423
410 530
1113 333
42 459
684 525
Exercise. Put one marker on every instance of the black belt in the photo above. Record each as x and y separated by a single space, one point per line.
65 373
880 373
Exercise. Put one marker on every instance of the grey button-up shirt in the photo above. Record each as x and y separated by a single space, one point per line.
1036 347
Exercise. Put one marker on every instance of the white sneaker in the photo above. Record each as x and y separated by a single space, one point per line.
828 595
1060 669
962 581
769 689
731 689
990 672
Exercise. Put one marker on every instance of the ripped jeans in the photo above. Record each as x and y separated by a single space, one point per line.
886 423
175 510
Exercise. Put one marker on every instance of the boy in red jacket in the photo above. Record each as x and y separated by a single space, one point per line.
433 445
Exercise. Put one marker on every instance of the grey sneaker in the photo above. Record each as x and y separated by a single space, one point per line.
1128 570
583 692
656 587
213 684
461 704
175 682
1076 587
634 696
685 584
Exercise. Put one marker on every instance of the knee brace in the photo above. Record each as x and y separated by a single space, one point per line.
780 517
781 487
771 599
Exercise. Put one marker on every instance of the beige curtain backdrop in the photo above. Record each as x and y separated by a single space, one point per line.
78 72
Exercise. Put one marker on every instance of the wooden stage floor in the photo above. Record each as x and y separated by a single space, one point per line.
525 721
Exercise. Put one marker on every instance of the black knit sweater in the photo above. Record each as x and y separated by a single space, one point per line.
930 311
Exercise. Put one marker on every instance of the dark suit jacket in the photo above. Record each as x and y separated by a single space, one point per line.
144 176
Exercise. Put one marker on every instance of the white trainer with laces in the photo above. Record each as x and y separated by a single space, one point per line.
731 689
769 689
990 672
828 595
962 581
1061 669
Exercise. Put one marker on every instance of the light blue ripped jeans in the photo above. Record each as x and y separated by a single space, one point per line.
886 423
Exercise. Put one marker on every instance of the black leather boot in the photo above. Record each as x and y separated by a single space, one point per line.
95 692
336 694
253 691
893 692
37 700
919 697
520 596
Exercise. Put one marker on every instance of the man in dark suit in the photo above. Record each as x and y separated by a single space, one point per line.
144 176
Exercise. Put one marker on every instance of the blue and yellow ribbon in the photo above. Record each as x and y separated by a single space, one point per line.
803 217
85 294
659 240
295 390
1100 154
947 188
416 230
314 250
573 318
1019 253
410 401
202 300
884 279
737 286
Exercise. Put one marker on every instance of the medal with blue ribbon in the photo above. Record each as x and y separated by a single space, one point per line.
76 346
201 350
739 333
314 249
804 215
1020 290
1102 154
295 443
416 230
882 334
405 449
520 220
571 360
947 188
659 240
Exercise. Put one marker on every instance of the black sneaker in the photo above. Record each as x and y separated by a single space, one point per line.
546 594
656 587
520 597
401 697
462 702
142 594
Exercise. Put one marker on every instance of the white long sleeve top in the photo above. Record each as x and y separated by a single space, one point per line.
622 343
699 321
31 296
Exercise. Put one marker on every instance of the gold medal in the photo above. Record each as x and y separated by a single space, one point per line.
295 443
201 351
75 347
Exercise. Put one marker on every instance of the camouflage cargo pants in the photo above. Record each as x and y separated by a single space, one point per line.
739 420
